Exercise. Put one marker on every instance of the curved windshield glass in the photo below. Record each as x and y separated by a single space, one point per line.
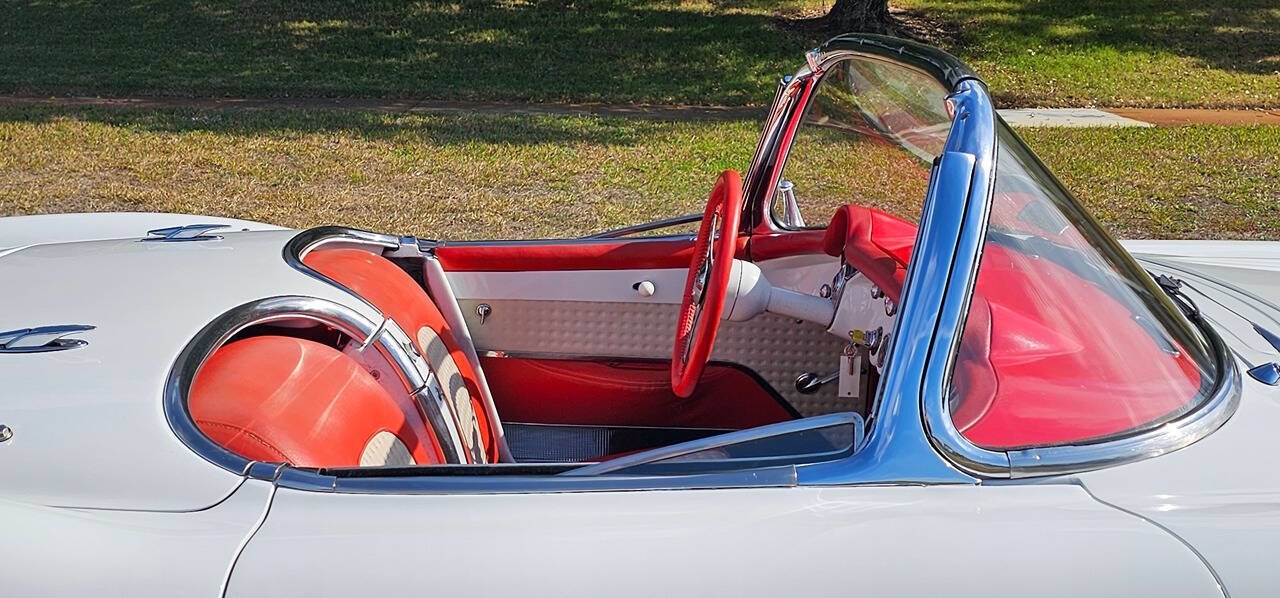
868 137
1067 339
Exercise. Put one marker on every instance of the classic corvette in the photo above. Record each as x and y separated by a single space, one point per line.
896 358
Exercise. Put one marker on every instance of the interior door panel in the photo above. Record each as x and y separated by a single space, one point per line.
776 348
576 299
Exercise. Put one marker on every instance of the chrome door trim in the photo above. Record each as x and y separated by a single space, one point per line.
736 437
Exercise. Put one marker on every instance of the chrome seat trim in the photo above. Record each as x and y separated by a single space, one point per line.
386 336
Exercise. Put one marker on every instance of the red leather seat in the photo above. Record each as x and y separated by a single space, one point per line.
291 400
402 299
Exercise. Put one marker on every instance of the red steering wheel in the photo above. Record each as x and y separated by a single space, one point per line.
708 281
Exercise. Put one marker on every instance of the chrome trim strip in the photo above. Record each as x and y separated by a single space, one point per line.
1169 437
963 212
190 232
227 325
769 477
646 227
42 339
738 437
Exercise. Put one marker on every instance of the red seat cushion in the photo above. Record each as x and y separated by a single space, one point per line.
402 299
284 399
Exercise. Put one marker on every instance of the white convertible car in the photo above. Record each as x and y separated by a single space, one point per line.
955 384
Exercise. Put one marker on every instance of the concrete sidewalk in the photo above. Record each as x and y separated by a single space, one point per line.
1021 117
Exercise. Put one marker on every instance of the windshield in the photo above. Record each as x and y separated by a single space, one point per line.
1067 339
869 136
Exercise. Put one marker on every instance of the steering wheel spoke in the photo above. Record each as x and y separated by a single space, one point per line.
702 303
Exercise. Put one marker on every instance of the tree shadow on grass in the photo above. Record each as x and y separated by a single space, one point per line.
1241 36
594 50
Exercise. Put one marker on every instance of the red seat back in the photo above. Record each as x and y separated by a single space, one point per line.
291 400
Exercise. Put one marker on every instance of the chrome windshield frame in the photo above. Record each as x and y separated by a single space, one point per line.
912 437
1178 433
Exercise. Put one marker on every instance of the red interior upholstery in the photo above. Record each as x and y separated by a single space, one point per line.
1023 375
400 298
877 244
627 393
284 399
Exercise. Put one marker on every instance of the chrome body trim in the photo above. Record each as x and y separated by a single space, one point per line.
42 339
1267 373
646 227
190 232
738 437
388 338
768 477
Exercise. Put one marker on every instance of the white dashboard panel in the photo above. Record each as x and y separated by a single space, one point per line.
611 286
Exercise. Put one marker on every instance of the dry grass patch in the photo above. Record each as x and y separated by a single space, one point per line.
461 176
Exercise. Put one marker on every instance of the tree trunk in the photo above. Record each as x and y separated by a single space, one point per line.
864 16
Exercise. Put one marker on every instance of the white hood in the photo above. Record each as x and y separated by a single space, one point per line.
88 424
1240 281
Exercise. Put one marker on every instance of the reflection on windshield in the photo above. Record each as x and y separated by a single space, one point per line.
1067 340
868 137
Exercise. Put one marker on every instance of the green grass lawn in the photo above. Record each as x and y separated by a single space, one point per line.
1162 53
461 176
1034 52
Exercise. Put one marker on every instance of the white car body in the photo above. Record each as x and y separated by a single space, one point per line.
101 497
